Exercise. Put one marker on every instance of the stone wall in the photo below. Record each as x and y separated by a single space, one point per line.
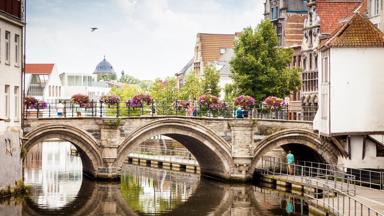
10 162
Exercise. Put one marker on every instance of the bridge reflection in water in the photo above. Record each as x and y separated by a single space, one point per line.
59 189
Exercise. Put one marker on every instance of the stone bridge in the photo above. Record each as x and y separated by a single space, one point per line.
225 148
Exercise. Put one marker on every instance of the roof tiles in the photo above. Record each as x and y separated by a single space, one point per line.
357 32
42 69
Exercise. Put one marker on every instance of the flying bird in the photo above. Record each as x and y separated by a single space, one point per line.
93 29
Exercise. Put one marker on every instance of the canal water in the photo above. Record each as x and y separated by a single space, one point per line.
53 170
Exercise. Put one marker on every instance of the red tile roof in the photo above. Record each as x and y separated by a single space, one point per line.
44 69
357 32
333 12
211 44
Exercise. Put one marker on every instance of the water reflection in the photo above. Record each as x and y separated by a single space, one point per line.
59 189
54 173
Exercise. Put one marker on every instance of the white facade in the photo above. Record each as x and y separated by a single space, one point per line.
351 88
86 84
45 86
375 10
363 156
11 41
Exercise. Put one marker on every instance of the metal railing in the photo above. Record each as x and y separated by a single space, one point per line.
155 108
338 202
337 188
363 177
338 179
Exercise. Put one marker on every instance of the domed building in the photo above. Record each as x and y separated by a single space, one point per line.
104 71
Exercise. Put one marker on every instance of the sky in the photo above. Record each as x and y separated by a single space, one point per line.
147 39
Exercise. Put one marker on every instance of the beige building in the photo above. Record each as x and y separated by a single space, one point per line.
11 67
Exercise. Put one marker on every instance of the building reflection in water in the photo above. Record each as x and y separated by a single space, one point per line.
54 171
153 191
58 188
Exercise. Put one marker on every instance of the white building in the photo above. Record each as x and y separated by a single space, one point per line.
375 11
224 69
86 84
351 87
11 64
42 81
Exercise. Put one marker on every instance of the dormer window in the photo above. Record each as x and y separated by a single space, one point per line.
222 51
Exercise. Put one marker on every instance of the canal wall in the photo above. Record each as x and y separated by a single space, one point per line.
10 159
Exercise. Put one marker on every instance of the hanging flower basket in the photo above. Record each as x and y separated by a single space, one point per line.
210 102
273 103
139 100
181 104
110 99
81 100
30 102
245 102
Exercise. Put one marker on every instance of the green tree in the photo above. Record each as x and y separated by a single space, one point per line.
164 90
210 81
126 92
106 77
192 87
129 79
230 92
260 67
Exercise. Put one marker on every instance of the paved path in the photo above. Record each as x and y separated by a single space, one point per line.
369 197
165 158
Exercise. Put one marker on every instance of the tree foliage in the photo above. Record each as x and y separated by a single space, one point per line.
260 67
126 92
210 81
129 79
192 87
164 90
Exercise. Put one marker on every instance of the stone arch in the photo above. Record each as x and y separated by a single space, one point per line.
86 145
328 151
211 151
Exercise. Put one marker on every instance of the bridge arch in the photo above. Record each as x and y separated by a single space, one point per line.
211 151
326 150
86 145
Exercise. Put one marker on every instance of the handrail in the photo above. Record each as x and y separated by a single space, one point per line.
338 179
363 177
69 109
331 191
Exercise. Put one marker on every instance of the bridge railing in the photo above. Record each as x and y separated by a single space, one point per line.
338 179
154 108
363 177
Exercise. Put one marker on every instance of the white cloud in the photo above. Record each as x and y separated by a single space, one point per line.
146 38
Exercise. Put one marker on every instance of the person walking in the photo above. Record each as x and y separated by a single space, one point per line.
290 161
60 109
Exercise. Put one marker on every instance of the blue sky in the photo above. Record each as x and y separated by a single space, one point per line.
145 38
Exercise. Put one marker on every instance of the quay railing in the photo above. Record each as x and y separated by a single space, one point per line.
363 177
337 189
338 202
154 108
338 179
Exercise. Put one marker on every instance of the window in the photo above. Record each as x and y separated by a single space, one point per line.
222 51
7 47
17 50
7 103
310 61
325 68
305 63
16 93
59 91
50 91
316 62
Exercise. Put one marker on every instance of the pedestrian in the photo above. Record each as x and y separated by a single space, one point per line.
60 109
290 161
191 109
239 112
